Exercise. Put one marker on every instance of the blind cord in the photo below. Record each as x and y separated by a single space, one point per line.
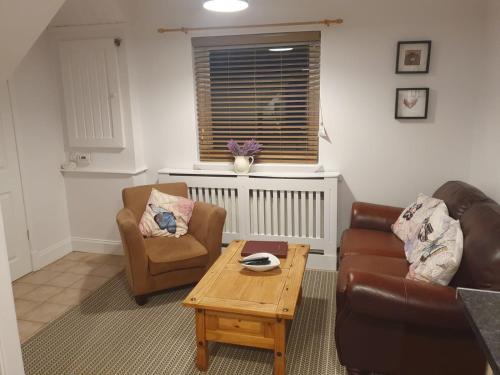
322 130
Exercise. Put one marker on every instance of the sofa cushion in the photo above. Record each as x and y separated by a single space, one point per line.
409 222
136 197
166 215
480 264
370 263
371 242
459 197
438 250
167 254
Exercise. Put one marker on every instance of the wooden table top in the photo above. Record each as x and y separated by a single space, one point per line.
228 287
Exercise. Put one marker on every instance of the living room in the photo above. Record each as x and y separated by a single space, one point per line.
364 140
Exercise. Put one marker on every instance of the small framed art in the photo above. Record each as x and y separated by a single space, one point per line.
413 57
412 103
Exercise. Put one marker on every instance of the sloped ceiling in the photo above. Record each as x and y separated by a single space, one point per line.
85 12
21 23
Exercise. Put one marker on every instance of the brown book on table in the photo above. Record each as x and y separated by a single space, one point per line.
277 248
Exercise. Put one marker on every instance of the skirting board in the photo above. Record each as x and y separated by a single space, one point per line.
50 254
96 245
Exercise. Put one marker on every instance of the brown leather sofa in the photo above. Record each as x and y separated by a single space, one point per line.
154 264
386 324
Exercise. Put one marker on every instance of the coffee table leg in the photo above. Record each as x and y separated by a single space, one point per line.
279 347
201 342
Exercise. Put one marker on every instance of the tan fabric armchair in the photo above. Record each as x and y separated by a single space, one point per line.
158 263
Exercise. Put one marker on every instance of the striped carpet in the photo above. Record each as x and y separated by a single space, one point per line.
109 334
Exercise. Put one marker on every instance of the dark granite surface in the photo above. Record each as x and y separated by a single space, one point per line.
483 312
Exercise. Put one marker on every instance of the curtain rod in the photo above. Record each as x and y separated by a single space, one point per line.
326 22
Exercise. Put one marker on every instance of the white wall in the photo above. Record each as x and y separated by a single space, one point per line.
381 159
95 198
93 203
38 123
485 165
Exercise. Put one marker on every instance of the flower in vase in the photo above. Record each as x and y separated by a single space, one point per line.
250 147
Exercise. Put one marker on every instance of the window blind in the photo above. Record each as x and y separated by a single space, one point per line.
264 87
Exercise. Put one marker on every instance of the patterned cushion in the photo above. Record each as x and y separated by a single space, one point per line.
414 245
437 250
166 215
411 219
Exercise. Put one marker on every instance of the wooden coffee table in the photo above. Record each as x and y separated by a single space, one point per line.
236 306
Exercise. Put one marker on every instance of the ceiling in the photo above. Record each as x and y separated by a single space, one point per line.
190 13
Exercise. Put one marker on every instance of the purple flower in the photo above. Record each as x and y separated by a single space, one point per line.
234 147
249 148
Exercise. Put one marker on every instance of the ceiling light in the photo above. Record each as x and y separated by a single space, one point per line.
280 49
226 6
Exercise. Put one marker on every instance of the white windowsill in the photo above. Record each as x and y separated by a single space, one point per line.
272 174
122 172
267 167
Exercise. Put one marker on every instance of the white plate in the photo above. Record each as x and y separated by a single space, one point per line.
275 262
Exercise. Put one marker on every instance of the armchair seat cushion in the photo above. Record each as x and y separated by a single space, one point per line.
167 254
371 242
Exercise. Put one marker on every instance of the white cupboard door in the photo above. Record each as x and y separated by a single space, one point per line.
91 83
11 195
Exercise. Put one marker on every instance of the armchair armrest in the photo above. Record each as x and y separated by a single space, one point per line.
206 225
134 249
374 216
405 301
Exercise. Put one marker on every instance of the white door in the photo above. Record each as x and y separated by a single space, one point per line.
11 361
11 195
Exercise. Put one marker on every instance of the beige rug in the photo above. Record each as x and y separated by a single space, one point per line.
109 334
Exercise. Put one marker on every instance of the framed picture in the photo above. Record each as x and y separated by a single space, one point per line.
412 103
413 57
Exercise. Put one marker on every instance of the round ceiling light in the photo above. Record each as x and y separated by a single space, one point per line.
226 6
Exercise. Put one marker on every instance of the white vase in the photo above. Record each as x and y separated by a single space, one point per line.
242 164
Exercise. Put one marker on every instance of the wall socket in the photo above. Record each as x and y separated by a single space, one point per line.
80 158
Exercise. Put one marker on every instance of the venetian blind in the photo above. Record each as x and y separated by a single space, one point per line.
264 87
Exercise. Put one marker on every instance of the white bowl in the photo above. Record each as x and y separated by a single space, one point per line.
275 262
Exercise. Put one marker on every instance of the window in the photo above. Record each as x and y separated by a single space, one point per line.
259 86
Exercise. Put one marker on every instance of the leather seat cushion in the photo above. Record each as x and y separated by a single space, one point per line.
170 254
370 263
371 242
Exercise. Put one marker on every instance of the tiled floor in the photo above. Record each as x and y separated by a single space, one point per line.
44 295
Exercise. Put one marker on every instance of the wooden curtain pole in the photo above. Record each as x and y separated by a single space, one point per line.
326 22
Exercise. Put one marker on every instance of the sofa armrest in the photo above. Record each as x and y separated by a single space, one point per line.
206 225
405 301
374 216
134 249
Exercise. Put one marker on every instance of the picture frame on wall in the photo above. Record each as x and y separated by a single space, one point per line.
413 57
412 103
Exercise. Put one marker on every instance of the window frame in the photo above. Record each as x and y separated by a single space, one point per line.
308 152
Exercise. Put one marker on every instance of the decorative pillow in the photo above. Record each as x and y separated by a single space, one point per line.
438 252
411 219
414 245
166 215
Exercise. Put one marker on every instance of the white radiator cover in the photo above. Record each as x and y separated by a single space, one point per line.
293 207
